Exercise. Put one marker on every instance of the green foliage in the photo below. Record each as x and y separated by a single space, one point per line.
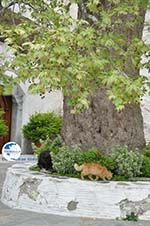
66 157
119 178
145 170
54 51
146 151
49 145
3 127
42 126
122 163
108 162
92 155
127 163
64 160
45 146
95 156
146 167
131 217
56 144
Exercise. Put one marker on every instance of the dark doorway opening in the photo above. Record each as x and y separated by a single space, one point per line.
6 105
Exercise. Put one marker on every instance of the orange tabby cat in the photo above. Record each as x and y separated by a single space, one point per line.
93 169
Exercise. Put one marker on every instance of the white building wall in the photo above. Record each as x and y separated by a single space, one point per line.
145 103
52 102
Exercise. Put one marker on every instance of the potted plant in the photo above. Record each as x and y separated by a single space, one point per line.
42 126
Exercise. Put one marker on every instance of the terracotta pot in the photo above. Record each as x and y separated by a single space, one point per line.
37 144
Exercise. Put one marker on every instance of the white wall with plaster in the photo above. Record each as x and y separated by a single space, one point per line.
28 190
52 102
145 103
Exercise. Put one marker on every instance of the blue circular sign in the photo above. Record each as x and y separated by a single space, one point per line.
11 151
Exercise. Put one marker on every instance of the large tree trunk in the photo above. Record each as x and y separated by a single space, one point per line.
102 126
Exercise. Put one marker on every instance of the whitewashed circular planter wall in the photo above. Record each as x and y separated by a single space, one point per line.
33 191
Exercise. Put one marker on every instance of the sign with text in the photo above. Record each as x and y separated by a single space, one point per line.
11 151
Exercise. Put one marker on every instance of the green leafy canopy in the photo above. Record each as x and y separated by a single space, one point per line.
102 48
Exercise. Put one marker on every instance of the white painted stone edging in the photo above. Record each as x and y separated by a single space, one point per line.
38 192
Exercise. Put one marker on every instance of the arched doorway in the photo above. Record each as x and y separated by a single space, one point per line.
6 105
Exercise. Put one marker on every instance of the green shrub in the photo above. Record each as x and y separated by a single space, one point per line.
42 126
146 151
48 145
108 162
146 162
146 167
3 127
64 160
119 178
127 163
92 155
56 144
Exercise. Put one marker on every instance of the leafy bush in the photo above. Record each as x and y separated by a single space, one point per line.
146 167
146 151
48 145
146 162
119 178
127 163
56 144
3 127
108 162
92 155
64 160
42 126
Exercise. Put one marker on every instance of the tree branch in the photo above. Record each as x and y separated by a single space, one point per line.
84 14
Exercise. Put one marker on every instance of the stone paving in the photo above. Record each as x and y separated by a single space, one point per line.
12 217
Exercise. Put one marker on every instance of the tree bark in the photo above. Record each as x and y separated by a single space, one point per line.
101 126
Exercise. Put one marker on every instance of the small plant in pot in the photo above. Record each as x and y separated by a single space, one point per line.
42 126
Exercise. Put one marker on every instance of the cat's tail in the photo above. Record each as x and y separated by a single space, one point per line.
77 167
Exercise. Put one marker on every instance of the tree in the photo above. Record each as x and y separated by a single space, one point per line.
94 60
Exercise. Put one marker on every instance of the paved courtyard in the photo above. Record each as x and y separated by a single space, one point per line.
12 217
